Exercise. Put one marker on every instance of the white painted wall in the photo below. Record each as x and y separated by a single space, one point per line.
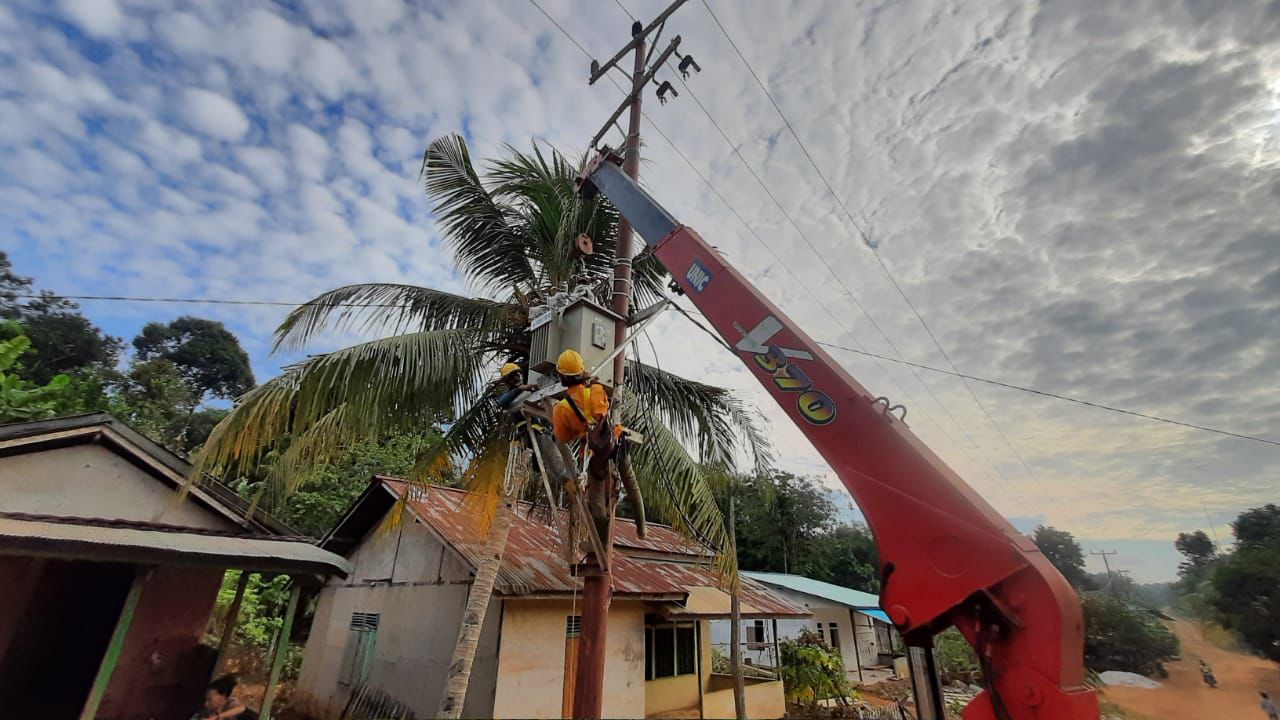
91 481
420 595
825 612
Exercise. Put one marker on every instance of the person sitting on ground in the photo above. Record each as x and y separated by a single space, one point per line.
585 403
218 703
1269 706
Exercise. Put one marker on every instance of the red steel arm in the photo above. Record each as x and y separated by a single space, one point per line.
947 557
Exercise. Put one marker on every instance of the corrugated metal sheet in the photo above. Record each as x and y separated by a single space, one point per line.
170 547
855 599
532 563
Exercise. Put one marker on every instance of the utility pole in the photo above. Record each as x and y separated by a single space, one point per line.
1107 564
1212 529
597 585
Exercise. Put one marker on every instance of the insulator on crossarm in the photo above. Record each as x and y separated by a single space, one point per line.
665 88
686 63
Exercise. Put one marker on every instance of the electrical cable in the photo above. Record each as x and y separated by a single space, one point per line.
1004 480
871 246
688 314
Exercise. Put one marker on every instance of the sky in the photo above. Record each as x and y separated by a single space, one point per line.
1076 196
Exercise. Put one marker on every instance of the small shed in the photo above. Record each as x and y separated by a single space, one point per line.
111 567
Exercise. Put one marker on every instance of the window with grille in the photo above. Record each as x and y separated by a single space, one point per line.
357 657
670 650
573 626
834 629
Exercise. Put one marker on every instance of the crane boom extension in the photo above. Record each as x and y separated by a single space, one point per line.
946 556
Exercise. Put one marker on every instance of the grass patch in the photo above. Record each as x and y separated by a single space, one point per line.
1221 637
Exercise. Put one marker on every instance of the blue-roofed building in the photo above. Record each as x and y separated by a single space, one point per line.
851 621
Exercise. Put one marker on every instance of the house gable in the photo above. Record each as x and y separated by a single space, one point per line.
91 480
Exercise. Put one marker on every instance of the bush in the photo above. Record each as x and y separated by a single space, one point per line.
1247 598
954 656
1120 636
812 671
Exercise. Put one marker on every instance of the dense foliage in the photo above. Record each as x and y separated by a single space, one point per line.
1061 548
1239 590
1122 636
1122 631
163 388
812 670
789 524
22 399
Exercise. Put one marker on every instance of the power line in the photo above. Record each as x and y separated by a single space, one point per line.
561 28
848 292
1056 396
874 251
687 313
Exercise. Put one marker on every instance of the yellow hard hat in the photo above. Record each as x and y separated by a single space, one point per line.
570 363
508 369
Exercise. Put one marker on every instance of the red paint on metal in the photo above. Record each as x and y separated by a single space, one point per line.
532 562
943 549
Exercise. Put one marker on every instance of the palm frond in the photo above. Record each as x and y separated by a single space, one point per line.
540 189
393 385
476 428
678 491
486 248
389 306
710 418
649 279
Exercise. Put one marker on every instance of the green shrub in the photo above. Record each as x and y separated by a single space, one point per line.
812 671
1120 636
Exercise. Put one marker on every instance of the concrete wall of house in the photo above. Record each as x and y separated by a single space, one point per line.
764 700
827 612
420 592
92 481
532 653
163 668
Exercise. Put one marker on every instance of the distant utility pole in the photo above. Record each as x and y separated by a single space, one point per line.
1110 578
1217 545
597 585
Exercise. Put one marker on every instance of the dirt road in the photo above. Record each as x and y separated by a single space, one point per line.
1185 696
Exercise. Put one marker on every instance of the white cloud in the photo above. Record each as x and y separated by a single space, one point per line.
102 18
267 164
215 115
310 151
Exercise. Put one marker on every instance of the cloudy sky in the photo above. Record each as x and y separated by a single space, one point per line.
1078 196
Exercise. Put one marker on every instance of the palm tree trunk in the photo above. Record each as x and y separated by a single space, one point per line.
464 651
735 625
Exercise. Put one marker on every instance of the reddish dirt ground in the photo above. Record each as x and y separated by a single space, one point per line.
1185 696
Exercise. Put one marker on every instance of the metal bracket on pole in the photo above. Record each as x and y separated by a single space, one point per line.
636 90
598 70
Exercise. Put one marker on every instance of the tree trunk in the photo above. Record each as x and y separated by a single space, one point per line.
464 651
735 625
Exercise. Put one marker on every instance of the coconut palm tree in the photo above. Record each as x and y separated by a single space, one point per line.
511 235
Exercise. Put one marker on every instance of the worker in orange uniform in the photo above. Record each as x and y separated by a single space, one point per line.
585 403
583 413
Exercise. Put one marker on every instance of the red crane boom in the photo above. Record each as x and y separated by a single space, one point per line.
946 556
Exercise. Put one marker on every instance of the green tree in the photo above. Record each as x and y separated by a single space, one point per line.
20 399
1247 595
1121 636
846 555
511 234
782 516
206 354
63 342
1061 548
1258 528
1199 552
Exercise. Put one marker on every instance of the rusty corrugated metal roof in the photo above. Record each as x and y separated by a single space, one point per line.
664 565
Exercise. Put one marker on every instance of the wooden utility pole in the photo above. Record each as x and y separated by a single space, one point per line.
1107 565
597 585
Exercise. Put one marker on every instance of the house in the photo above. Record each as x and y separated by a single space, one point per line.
110 574
849 620
392 624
